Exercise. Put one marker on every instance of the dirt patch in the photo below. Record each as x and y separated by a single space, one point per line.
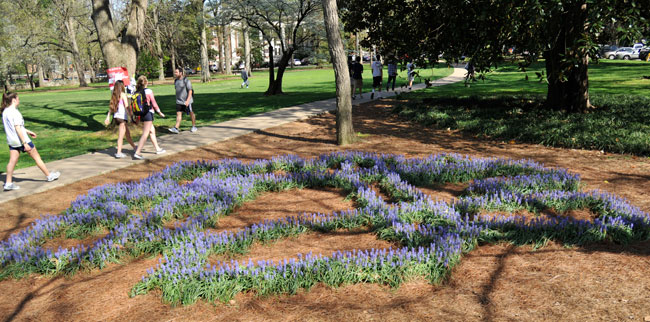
493 282
278 205
55 243
445 192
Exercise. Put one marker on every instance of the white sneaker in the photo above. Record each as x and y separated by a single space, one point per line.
193 129
53 176
137 156
11 186
119 155
173 130
161 151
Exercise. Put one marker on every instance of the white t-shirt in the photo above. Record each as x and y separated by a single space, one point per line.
148 92
377 69
10 118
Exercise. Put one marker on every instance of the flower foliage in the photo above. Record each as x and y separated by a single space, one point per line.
430 236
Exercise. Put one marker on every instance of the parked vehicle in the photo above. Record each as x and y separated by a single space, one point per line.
296 62
643 53
305 61
608 51
188 71
627 53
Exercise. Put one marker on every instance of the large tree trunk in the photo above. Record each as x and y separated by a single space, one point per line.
76 56
173 58
271 65
222 49
344 128
275 85
41 75
567 64
247 50
205 63
125 52
159 52
228 48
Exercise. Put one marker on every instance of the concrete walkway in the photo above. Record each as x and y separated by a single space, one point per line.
31 180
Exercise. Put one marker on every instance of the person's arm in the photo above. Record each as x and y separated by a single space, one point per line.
190 92
22 139
156 108
108 115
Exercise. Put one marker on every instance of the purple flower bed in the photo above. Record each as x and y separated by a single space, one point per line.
430 235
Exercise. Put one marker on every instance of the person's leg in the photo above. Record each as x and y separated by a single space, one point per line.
39 163
120 136
13 159
354 86
179 117
152 136
193 117
128 135
146 127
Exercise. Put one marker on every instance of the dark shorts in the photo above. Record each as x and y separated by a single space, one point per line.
119 120
183 108
21 148
148 117
376 81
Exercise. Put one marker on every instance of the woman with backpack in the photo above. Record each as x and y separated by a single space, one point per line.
119 107
148 129
18 140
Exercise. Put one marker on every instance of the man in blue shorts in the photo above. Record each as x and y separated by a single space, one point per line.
184 99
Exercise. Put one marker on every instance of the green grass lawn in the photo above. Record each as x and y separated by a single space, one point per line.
507 107
70 122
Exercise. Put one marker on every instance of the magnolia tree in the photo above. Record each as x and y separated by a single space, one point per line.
565 33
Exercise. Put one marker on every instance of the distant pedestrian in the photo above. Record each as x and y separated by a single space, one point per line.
244 77
410 69
357 77
119 108
392 73
184 99
377 75
150 105
19 141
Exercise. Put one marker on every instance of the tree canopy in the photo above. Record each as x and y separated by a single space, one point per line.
566 33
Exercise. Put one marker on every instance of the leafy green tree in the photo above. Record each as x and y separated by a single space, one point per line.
566 33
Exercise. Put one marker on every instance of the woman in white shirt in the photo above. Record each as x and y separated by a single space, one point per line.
119 107
19 141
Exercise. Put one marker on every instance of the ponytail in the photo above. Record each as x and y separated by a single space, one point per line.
7 98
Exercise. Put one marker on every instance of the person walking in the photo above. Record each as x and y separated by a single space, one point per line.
19 141
357 77
148 130
184 99
410 69
244 77
119 108
392 73
377 75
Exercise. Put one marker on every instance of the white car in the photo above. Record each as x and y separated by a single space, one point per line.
296 62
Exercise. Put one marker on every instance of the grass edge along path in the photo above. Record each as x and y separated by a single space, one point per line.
70 123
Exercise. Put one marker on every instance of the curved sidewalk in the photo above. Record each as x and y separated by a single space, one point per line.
31 180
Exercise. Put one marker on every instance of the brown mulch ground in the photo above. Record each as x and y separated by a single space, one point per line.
494 282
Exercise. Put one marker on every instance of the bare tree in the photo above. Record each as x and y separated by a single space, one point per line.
247 49
123 51
283 20
344 128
